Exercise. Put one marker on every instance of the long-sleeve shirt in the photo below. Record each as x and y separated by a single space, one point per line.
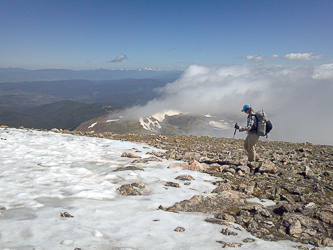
251 123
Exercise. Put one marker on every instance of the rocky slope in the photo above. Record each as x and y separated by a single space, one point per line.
170 124
293 184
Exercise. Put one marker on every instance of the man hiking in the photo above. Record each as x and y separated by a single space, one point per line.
252 136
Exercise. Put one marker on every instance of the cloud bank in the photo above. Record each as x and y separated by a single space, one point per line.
297 99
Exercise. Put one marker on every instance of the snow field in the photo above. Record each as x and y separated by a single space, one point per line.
43 174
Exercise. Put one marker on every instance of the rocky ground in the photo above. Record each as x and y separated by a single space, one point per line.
298 177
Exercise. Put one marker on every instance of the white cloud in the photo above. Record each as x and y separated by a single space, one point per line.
273 57
261 58
324 71
255 58
118 59
296 98
301 56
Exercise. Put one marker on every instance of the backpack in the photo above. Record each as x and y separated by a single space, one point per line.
264 126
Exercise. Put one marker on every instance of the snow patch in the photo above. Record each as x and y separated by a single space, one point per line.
219 125
264 202
150 124
160 116
93 125
51 173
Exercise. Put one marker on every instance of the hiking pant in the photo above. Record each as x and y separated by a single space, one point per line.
249 143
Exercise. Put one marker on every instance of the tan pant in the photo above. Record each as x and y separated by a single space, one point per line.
249 143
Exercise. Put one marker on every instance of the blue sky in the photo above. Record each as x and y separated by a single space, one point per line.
163 34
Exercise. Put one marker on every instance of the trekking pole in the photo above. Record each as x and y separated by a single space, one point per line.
233 138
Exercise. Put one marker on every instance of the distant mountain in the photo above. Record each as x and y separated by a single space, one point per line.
20 75
121 93
15 119
67 103
63 115
174 124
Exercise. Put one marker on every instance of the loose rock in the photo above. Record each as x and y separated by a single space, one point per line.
172 184
180 229
249 240
227 232
176 165
65 214
127 168
230 244
128 189
130 155
145 160
185 177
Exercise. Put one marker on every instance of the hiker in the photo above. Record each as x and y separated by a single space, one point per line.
252 136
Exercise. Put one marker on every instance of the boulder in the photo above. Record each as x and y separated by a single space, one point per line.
178 165
222 187
145 160
244 169
327 242
128 189
158 154
210 204
326 217
197 166
267 167
225 216
309 173
191 156
295 228
138 185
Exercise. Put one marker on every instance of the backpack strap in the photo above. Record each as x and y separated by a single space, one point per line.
254 126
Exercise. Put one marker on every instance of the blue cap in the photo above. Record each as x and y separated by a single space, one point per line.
246 106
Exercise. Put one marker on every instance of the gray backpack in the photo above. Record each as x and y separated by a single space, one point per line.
264 126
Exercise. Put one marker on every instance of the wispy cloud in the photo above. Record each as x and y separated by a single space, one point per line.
118 59
255 58
301 56
261 58
273 57
291 56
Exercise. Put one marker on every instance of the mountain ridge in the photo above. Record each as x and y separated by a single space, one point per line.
21 74
64 114
174 124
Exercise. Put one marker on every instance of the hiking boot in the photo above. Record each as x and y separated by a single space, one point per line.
252 165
